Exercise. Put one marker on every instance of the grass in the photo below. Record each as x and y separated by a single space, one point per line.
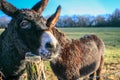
111 37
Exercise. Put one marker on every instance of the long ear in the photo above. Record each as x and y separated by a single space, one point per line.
54 18
40 6
8 8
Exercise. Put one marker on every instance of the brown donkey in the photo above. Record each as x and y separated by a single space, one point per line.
27 32
78 58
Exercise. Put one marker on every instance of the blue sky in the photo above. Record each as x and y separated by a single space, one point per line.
71 7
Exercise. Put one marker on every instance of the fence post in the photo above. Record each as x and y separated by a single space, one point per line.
34 68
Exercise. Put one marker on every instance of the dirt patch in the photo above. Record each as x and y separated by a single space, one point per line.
112 71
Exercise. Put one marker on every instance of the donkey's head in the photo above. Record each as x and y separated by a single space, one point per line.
33 29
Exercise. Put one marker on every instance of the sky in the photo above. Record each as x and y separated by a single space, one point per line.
72 7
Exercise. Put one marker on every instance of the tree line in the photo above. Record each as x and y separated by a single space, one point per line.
107 20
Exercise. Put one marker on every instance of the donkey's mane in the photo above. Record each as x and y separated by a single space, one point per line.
60 36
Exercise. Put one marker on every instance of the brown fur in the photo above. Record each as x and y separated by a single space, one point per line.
79 57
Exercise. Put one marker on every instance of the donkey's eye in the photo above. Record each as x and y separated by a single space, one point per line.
25 24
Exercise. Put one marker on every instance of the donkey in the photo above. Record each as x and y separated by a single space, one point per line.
78 58
27 32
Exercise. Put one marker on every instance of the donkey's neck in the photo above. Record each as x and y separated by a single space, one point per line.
10 39
12 53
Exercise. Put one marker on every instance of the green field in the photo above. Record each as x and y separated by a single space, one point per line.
111 37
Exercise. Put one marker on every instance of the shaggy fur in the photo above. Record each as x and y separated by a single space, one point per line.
78 58
24 35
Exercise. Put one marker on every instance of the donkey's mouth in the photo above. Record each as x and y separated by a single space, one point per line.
46 55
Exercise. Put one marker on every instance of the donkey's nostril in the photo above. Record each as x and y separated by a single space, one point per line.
49 45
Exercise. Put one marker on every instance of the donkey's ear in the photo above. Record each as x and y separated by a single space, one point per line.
8 8
54 18
40 6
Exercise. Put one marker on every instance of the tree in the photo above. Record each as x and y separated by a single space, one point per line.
115 18
100 21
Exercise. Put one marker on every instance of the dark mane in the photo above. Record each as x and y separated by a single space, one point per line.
60 36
